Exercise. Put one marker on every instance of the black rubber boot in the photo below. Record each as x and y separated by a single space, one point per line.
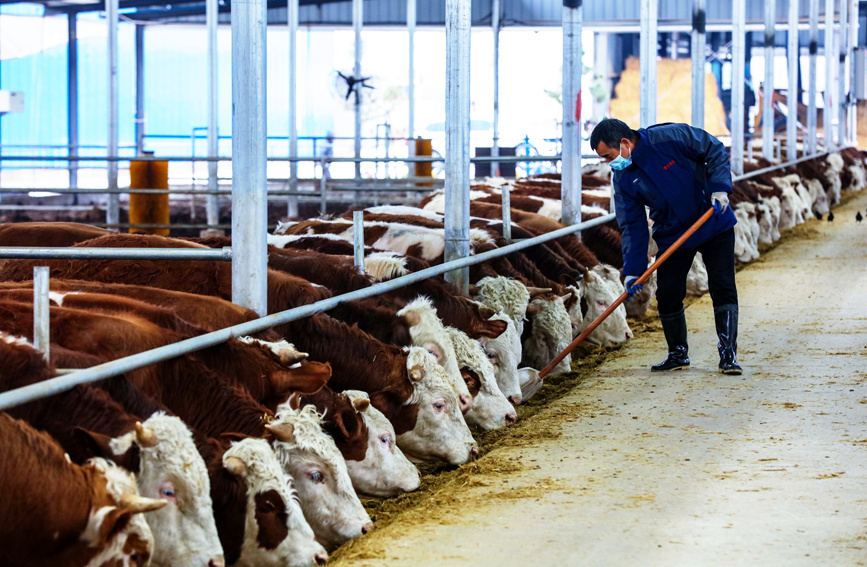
674 327
726 317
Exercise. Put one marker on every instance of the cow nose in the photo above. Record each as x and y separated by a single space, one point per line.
629 335
515 400
511 418
320 558
474 453
366 528
217 562
465 402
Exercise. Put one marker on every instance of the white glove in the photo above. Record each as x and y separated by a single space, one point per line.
720 201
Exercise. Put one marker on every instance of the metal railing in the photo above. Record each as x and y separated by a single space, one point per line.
66 382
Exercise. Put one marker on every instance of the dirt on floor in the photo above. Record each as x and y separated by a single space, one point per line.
613 465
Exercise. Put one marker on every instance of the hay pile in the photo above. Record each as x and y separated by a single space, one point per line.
674 92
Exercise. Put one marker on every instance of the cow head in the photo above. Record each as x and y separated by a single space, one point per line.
385 471
307 453
504 354
597 294
504 295
120 531
171 469
440 431
275 530
696 278
428 332
491 409
549 333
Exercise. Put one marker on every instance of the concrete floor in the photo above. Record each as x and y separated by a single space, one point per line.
693 468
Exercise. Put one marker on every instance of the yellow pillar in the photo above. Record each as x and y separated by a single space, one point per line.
423 148
149 208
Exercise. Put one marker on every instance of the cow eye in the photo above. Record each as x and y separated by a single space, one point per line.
440 406
490 354
315 477
167 492
385 439
600 303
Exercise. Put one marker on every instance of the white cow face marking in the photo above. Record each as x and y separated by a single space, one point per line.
440 432
385 471
504 353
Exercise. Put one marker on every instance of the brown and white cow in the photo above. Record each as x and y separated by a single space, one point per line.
55 512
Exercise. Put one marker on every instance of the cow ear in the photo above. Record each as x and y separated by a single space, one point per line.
486 312
412 318
473 289
235 466
282 431
232 437
534 309
113 522
416 373
93 444
361 404
346 420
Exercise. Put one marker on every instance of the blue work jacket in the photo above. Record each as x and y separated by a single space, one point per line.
674 170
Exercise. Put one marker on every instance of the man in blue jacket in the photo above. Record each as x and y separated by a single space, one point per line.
677 172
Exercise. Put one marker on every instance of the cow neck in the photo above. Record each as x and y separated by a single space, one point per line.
228 495
329 404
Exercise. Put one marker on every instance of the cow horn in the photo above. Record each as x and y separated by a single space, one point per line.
588 275
282 431
412 318
416 373
538 290
235 465
361 404
139 505
144 435
534 309
473 289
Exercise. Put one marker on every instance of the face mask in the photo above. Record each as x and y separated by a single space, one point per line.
620 163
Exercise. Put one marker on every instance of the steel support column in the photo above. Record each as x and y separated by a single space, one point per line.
768 89
697 52
648 54
292 200
842 67
457 186
410 92
72 97
570 187
495 25
212 209
738 62
829 97
112 214
357 25
852 37
792 95
41 312
812 121
249 137
140 124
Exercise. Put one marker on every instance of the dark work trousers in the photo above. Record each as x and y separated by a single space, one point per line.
718 254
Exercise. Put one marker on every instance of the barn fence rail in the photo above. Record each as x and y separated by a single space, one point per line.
67 381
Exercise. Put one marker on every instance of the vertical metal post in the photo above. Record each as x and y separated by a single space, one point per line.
495 147
249 137
292 201
829 110
842 67
507 212
852 42
357 24
41 313
792 96
72 97
812 121
457 186
768 88
212 207
699 42
112 215
323 187
139 89
738 74
410 135
648 54
358 239
570 187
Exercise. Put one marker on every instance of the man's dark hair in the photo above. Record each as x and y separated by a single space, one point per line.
611 131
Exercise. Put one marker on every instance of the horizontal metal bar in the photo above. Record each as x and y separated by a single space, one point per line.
781 165
60 384
189 254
